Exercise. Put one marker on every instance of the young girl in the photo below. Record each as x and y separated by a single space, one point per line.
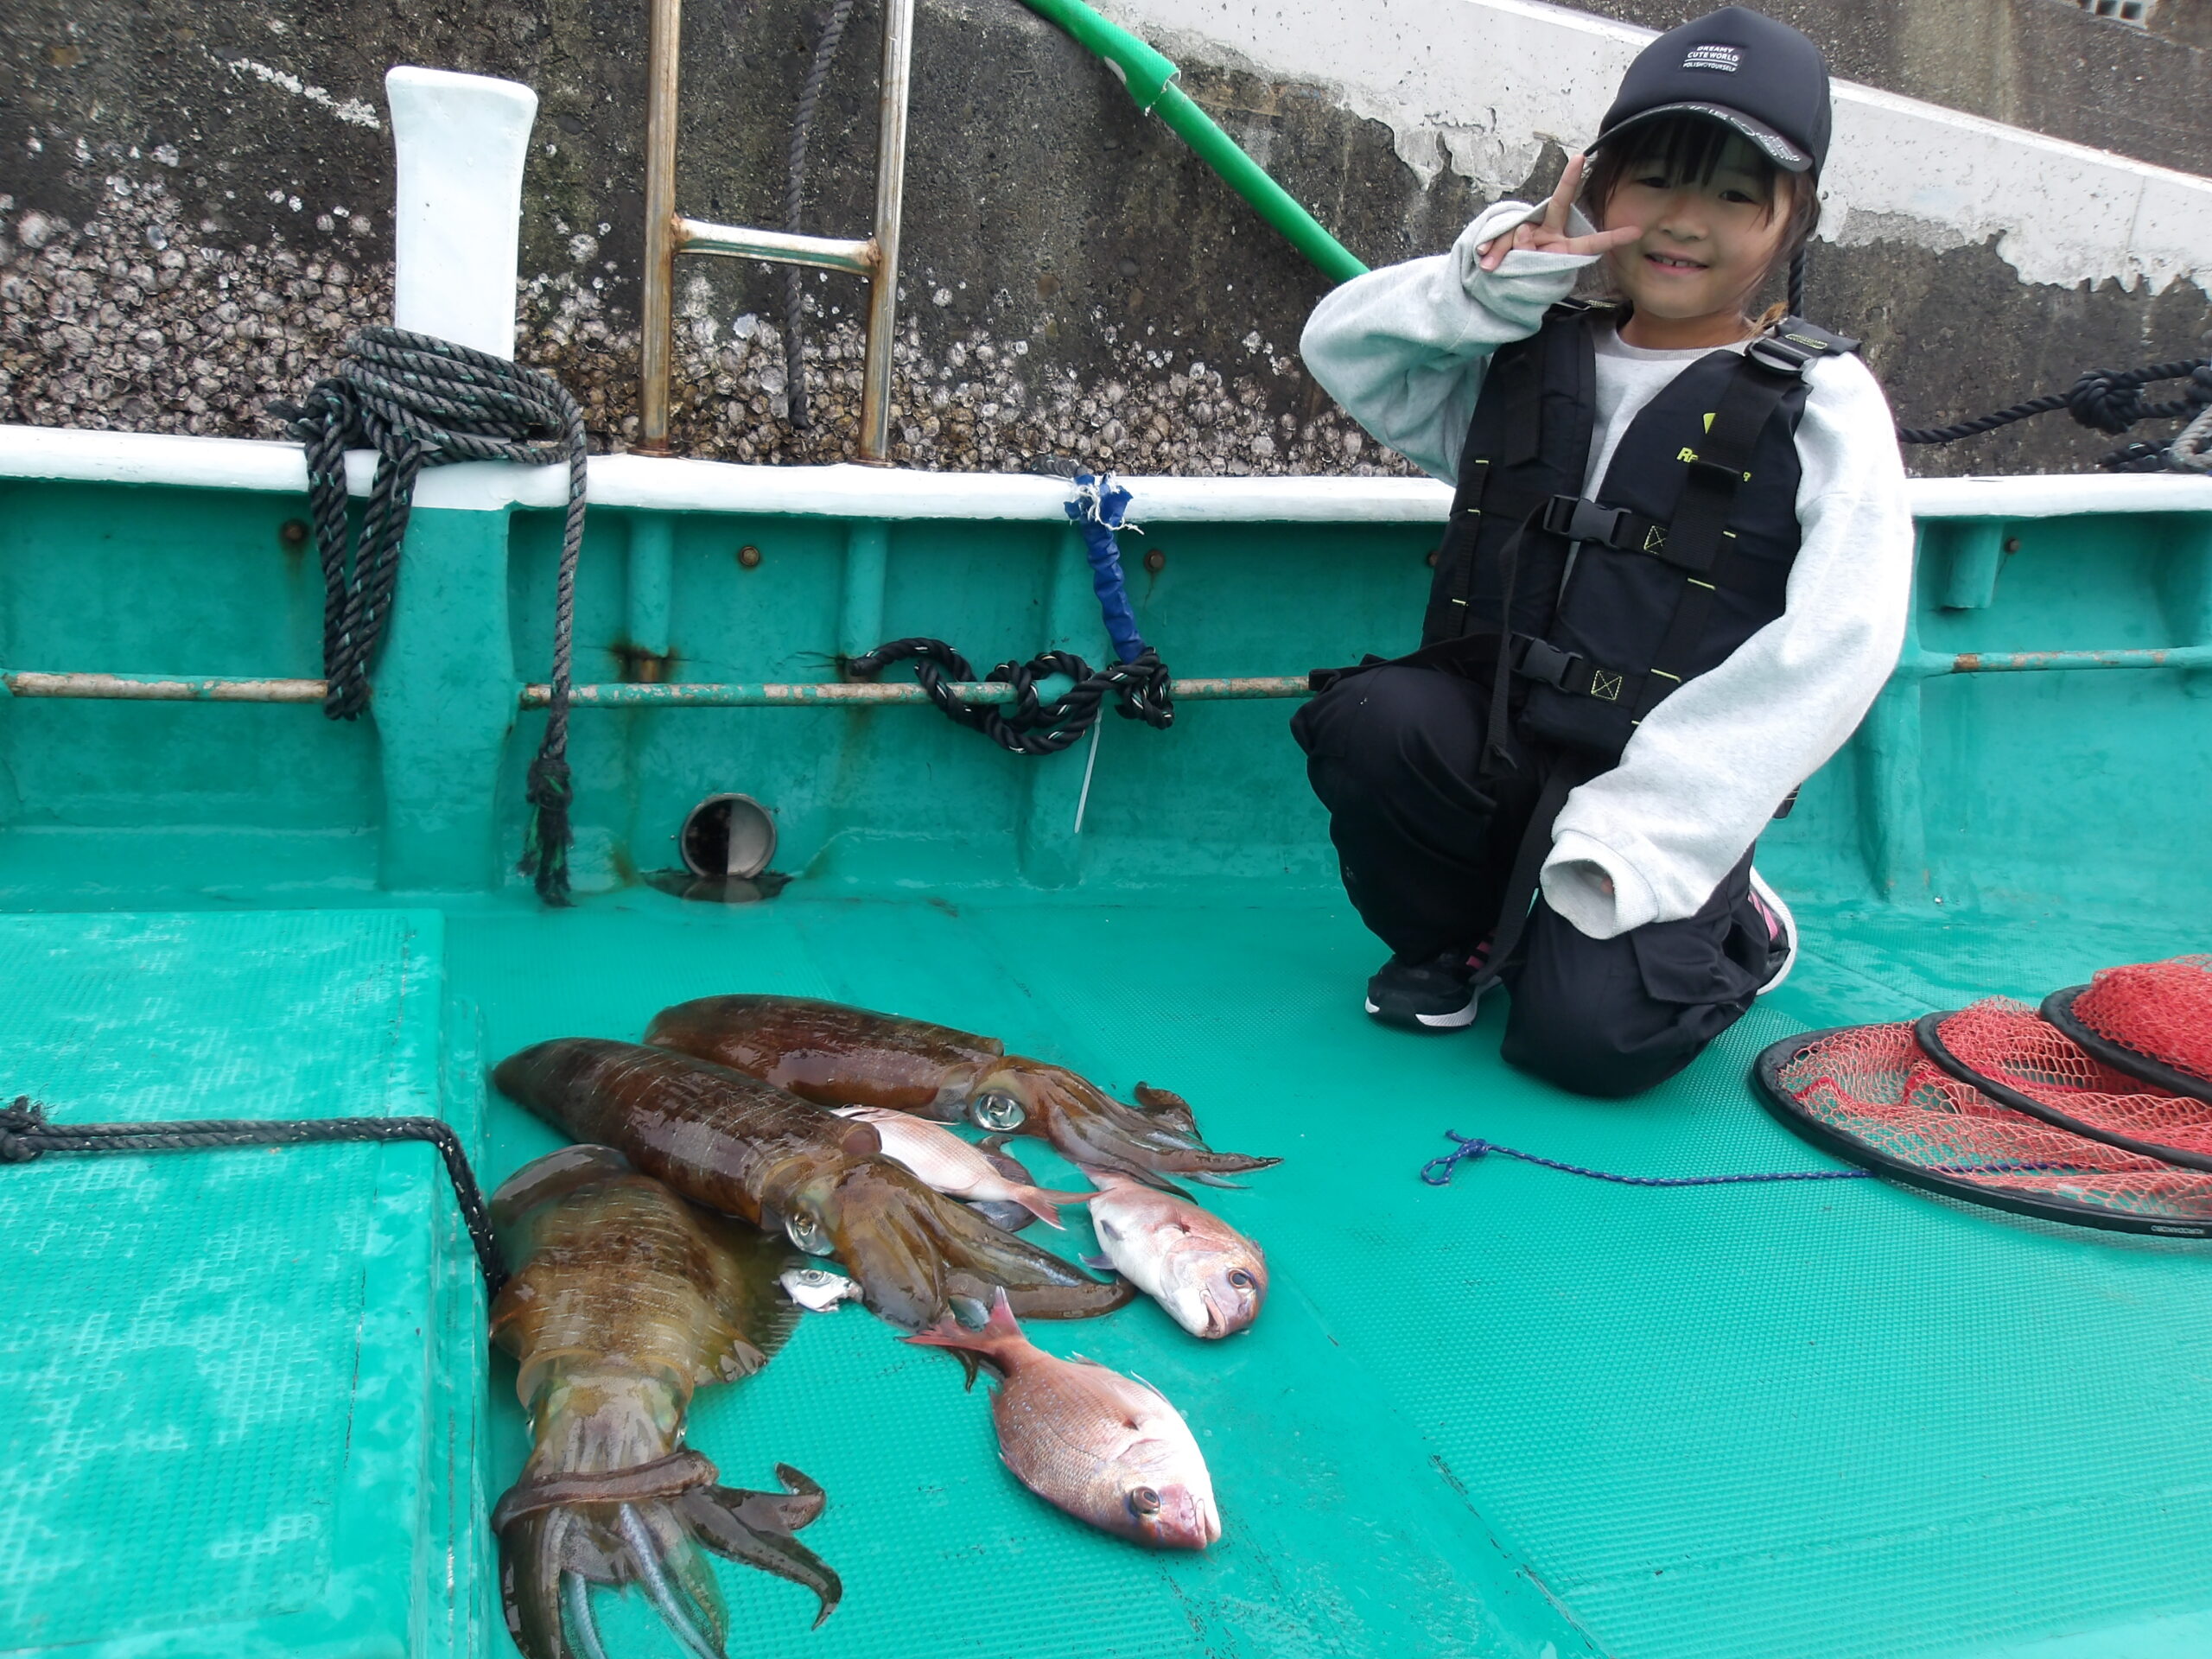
1675 577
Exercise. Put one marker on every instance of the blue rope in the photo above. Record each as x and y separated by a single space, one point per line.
1101 507
1436 1171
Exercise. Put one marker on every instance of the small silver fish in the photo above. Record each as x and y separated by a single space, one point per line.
1107 1448
940 1159
819 1290
1209 1276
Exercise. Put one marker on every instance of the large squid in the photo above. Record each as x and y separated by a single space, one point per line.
625 1299
747 1149
840 1056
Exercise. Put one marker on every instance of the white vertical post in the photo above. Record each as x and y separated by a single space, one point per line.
445 682
457 214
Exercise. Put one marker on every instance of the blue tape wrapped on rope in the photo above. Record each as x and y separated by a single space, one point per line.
1100 508
1135 685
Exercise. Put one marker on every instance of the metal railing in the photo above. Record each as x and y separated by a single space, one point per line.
669 233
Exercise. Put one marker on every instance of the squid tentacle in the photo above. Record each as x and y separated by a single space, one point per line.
644 1555
906 1245
575 1596
1090 1126
754 1529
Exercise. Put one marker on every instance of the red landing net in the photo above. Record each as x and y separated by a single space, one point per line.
2009 1043
2160 1008
1874 1084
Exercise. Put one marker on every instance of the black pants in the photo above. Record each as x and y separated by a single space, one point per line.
1427 847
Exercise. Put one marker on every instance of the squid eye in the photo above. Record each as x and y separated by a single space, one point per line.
997 1112
1144 1500
1242 1280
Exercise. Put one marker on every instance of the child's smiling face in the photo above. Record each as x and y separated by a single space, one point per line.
1706 243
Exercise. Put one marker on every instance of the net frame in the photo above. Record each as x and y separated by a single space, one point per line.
2052 1107
2058 1010
2049 1202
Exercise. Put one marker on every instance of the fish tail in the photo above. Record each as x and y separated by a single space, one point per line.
994 1343
912 1249
1044 1202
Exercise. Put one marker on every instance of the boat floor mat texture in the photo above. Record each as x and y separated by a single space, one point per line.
243 1387
1522 1415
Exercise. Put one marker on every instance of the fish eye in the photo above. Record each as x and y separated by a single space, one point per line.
1144 1500
1241 1280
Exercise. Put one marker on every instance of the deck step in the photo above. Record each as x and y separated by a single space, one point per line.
243 1386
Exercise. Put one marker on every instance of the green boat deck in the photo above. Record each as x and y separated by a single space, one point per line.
1523 1414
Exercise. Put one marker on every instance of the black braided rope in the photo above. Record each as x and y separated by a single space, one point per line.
1797 283
2105 400
419 401
810 93
1136 690
26 1134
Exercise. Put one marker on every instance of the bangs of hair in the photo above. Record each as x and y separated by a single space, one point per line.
1689 148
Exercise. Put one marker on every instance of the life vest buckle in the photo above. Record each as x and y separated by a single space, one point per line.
1782 356
1580 520
1542 661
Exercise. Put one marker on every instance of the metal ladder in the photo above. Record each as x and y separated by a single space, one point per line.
669 233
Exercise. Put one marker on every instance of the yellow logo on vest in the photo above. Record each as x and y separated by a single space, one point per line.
1708 421
1605 686
1687 455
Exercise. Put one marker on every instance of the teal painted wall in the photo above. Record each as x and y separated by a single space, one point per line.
2035 790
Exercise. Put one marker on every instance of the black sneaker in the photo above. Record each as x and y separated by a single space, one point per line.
1434 996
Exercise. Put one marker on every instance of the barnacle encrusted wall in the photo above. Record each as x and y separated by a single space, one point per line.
195 216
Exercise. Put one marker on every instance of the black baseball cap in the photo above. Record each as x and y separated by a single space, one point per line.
1739 67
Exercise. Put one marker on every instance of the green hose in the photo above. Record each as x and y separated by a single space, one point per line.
1150 76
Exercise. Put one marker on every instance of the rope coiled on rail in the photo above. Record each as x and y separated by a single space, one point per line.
1138 690
810 93
26 1134
419 401
2105 400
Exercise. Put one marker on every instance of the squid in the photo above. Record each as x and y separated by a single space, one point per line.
624 1301
747 1149
840 1056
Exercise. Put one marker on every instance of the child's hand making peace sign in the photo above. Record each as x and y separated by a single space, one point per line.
1548 234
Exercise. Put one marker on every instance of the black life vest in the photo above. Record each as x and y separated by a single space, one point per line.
1684 554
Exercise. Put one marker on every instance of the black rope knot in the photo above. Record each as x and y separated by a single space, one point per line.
18 1123
419 401
1140 690
2105 401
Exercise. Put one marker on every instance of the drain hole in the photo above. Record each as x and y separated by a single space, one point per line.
728 836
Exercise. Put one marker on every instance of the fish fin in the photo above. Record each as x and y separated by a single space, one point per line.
1098 1263
1105 1229
1206 1179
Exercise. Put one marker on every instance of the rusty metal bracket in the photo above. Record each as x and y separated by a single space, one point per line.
669 233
